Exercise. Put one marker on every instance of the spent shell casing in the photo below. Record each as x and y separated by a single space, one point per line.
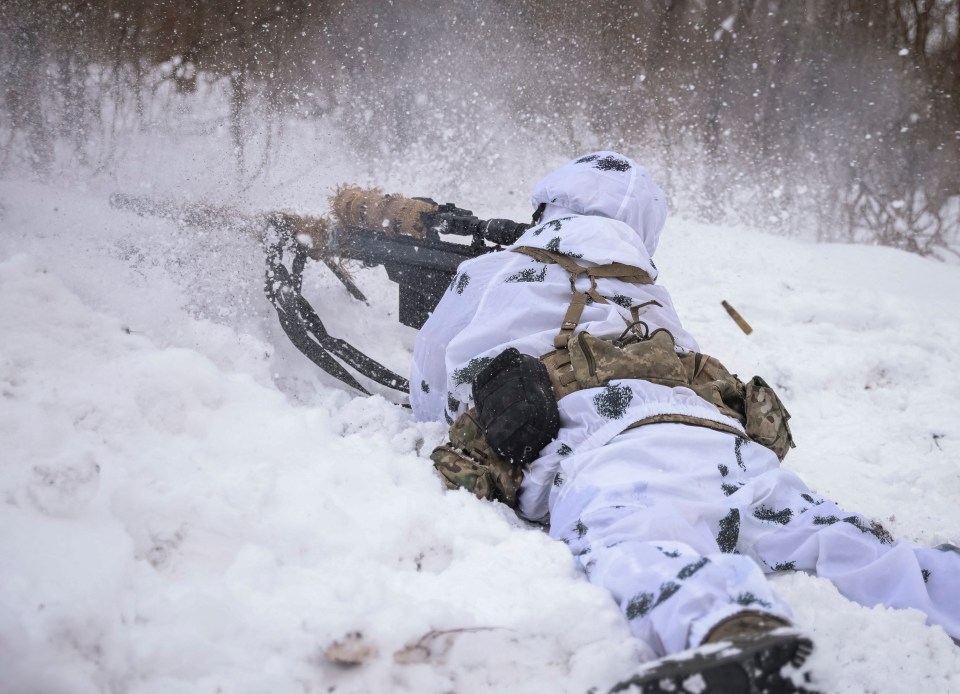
737 318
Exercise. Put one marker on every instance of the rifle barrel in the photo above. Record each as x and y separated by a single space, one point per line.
358 243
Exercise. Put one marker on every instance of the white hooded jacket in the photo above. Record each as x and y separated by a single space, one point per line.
601 208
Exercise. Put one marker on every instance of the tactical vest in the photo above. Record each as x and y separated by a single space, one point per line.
581 360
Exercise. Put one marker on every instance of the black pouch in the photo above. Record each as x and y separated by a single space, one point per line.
516 406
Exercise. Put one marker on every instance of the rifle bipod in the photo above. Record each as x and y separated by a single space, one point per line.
301 323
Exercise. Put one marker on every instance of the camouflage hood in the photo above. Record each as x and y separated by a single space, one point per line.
607 184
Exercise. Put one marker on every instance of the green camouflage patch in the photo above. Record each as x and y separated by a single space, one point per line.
729 533
690 569
875 529
528 275
553 225
470 371
639 605
781 517
453 404
748 598
738 445
554 247
667 590
613 402
620 300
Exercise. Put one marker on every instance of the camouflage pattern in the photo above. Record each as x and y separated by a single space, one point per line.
468 462
766 418
595 362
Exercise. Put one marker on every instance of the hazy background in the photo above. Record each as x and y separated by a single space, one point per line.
187 504
829 119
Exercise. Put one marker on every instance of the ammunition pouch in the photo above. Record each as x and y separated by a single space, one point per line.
469 462
516 405
589 362
766 418
516 395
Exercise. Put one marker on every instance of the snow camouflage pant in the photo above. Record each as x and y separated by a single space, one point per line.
681 523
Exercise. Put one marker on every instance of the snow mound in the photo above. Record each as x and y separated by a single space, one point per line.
187 506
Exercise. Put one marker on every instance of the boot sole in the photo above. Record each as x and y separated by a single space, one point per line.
760 666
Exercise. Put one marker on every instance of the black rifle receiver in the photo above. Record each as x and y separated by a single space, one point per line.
423 268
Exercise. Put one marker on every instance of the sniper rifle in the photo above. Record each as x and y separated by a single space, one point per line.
404 235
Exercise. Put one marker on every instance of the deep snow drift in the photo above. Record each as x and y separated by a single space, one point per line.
187 505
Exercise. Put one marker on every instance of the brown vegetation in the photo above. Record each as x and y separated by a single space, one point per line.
839 111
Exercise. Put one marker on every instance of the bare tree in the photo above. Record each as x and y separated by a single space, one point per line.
784 114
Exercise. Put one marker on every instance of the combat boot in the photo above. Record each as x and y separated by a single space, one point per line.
747 653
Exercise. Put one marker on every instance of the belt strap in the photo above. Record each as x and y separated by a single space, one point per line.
689 420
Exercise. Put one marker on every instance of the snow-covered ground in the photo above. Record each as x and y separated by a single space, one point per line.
188 505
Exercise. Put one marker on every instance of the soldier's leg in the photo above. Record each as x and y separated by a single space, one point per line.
642 515
786 526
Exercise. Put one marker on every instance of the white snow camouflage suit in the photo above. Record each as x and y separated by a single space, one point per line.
680 523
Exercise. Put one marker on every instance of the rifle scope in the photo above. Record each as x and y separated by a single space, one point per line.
454 220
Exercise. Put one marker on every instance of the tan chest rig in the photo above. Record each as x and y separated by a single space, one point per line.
581 360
